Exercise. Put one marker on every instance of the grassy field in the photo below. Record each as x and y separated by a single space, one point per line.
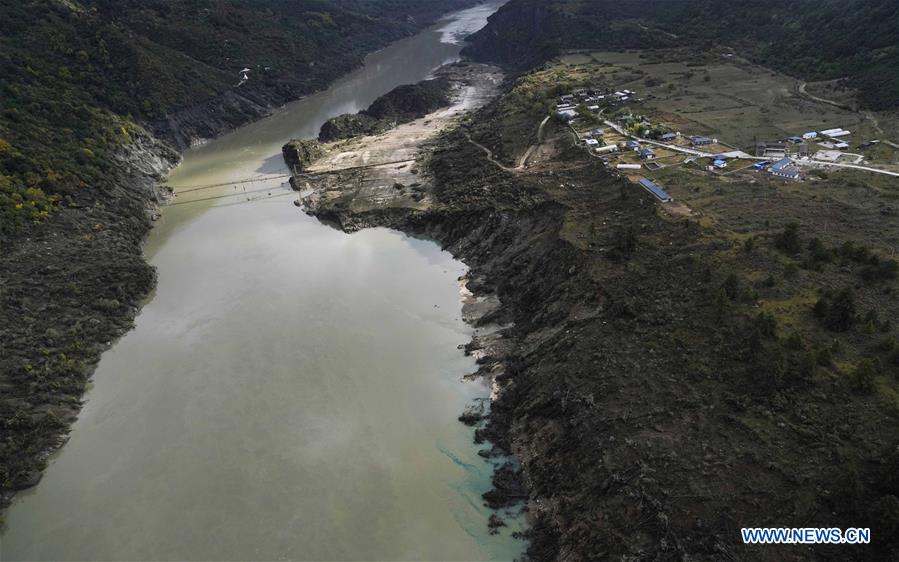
724 97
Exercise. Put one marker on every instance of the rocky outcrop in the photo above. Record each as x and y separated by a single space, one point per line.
401 105
349 125
299 153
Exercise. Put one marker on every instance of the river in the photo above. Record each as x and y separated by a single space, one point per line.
289 391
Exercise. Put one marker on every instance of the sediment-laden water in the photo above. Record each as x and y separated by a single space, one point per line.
289 391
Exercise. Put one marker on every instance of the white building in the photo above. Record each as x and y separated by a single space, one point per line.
836 133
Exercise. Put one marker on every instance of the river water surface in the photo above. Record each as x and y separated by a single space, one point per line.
289 391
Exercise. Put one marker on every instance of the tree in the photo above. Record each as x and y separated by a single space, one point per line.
864 377
819 253
625 243
731 286
788 240
836 311
721 304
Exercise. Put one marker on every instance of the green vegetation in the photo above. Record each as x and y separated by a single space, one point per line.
299 153
78 76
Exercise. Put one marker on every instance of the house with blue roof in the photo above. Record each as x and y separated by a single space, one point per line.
655 190
785 169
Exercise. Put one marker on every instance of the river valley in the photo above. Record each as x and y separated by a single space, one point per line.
289 391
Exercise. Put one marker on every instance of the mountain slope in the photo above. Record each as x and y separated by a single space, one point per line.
818 40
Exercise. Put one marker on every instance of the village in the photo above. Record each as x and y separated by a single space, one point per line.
632 144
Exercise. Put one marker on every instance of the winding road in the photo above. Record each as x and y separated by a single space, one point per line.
524 157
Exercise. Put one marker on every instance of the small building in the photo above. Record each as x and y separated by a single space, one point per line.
591 142
761 165
795 140
647 154
719 163
773 150
629 166
667 137
810 135
655 190
567 114
841 145
606 149
632 145
597 132
701 141
836 133
785 169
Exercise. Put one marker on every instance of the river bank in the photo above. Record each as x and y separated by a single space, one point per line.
258 405
74 284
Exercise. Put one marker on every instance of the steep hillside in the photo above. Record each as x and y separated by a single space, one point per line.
77 76
818 40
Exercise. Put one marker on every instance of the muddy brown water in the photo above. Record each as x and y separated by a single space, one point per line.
289 391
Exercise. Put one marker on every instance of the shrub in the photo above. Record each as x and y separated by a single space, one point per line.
765 325
731 286
886 513
878 269
824 357
864 377
788 240
818 252
625 243
749 244
836 311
